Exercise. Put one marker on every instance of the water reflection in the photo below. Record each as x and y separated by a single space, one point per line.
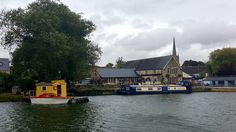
27 117
205 112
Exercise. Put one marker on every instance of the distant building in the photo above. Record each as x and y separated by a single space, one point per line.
16 90
195 71
187 77
4 65
164 69
220 81
114 75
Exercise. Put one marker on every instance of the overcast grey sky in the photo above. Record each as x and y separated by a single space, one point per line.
136 29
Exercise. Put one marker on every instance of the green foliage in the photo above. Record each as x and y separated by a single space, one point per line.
193 63
27 84
109 65
167 76
201 75
6 82
120 63
50 42
222 62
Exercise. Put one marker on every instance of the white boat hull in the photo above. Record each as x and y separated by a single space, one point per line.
49 100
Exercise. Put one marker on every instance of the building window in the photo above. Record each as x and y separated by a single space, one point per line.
172 70
1 64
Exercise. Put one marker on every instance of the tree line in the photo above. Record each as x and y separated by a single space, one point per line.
222 62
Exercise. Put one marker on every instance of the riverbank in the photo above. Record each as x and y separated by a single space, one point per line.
8 97
213 89
92 90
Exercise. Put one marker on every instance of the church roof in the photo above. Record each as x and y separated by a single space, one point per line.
116 72
157 63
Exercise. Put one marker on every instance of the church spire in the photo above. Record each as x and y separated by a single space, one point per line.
174 48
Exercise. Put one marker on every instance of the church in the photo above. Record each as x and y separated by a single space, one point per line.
163 69
157 70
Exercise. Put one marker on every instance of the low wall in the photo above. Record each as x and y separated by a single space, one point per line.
213 89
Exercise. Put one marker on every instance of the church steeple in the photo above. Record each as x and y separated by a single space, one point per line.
174 54
174 48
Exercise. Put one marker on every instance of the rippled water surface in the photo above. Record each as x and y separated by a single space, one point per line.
197 112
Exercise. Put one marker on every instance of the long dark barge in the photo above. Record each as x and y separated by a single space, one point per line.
181 87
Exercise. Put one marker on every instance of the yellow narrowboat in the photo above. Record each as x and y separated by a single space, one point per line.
50 93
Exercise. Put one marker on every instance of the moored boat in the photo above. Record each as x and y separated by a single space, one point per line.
50 93
182 87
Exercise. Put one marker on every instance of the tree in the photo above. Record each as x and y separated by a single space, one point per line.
120 63
193 63
109 65
6 82
50 41
222 62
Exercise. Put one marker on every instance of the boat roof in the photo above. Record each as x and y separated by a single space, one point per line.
44 84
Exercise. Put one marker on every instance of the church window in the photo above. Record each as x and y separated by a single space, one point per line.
168 70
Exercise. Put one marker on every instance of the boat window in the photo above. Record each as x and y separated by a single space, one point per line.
43 88
139 89
127 88
187 84
149 88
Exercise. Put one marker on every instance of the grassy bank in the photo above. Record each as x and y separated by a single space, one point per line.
8 97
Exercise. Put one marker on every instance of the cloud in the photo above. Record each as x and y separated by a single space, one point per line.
148 41
12 4
209 34
144 28
3 53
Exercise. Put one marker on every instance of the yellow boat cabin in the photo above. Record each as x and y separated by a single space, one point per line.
55 88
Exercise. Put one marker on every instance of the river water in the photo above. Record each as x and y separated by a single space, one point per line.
196 112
